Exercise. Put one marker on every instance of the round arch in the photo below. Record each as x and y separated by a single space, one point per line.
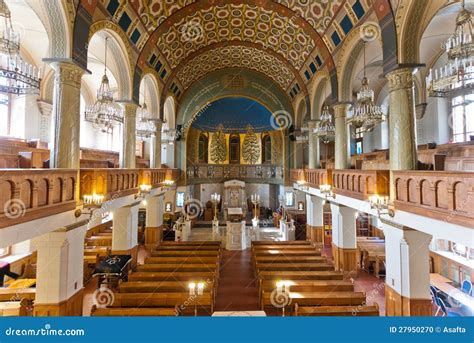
151 95
350 55
119 61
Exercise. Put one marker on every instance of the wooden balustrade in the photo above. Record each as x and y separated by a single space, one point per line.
252 173
441 195
359 183
312 177
28 194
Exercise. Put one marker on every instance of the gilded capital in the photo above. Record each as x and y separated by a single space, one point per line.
67 73
340 109
401 78
129 109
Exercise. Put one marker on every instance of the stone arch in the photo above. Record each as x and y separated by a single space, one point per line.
417 15
152 93
56 20
319 95
119 53
301 112
169 112
350 54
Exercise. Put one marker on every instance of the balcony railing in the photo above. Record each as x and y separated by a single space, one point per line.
359 183
312 177
255 173
28 194
442 195
113 183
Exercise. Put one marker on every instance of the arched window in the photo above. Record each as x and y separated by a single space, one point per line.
203 148
234 149
266 149
463 121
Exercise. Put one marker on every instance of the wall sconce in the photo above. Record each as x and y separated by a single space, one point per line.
326 190
91 202
381 205
195 290
301 185
143 190
168 182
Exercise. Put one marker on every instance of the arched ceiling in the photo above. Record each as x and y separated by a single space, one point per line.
235 56
285 33
176 38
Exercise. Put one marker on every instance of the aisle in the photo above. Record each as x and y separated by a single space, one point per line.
237 289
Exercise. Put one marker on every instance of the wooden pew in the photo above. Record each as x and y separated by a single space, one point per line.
199 267
318 299
13 309
359 311
181 259
289 259
293 266
297 275
287 253
308 286
191 243
255 243
173 253
134 311
99 241
159 286
14 294
171 276
161 300
284 247
188 248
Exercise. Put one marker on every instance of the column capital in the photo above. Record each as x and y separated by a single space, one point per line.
401 78
340 109
67 71
129 107
312 124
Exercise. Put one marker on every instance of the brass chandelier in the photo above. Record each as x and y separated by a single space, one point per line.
456 78
105 112
16 76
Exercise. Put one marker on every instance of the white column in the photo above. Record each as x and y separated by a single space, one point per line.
66 114
344 237
128 146
407 271
318 211
59 276
313 147
309 210
155 155
125 231
154 221
342 139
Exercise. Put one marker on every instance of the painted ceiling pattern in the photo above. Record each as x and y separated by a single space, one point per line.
235 56
153 13
318 13
236 22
